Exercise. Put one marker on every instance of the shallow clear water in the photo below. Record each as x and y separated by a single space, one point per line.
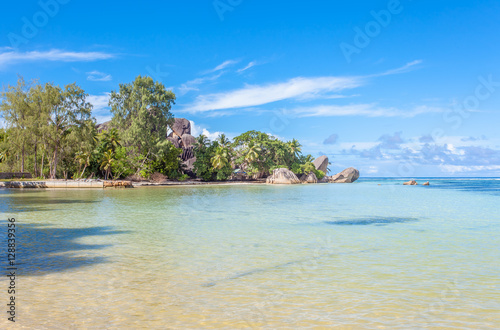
373 254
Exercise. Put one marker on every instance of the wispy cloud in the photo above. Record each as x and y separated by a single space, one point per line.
193 85
452 169
98 76
406 68
248 66
101 107
254 95
302 88
222 66
367 110
55 55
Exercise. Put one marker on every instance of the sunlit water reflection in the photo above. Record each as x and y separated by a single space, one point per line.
372 254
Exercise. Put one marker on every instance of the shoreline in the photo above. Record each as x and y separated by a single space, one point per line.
102 184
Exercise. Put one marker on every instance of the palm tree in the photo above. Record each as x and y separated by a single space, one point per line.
223 140
113 138
202 141
83 159
110 139
295 148
107 161
252 152
307 159
220 159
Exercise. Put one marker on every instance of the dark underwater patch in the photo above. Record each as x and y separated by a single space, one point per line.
378 221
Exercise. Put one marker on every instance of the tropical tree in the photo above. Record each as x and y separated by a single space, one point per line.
83 158
15 109
252 152
213 160
107 162
141 112
45 122
110 139
220 159
295 148
68 111
223 140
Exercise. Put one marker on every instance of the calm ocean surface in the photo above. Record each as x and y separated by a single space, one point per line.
369 255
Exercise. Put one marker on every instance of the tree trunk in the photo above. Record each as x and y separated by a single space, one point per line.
22 159
81 175
34 166
41 166
54 165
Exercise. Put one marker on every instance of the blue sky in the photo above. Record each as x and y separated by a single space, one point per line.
394 88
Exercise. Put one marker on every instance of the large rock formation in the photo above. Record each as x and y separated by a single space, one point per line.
181 126
349 175
181 138
325 179
410 183
321 163
309 178
282 176
188 140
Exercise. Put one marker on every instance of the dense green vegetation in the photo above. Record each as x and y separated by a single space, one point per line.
256 153
51 133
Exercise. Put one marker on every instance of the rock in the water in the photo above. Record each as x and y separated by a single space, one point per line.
411 183
426 184
309 178
321 163
181 126
188 140
325 179
282 176
349 175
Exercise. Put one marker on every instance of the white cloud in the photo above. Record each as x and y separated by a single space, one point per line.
10 57
222 66
248 66
192 85
368 110
101 110
254 95
300 88
197 130
98 76
452 169
406 68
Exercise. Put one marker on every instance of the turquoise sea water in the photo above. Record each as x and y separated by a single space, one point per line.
370 255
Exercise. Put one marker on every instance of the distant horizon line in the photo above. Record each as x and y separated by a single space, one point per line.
430 177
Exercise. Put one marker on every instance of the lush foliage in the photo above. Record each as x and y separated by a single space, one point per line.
213 159
50 132
141 113
46 126
256 153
